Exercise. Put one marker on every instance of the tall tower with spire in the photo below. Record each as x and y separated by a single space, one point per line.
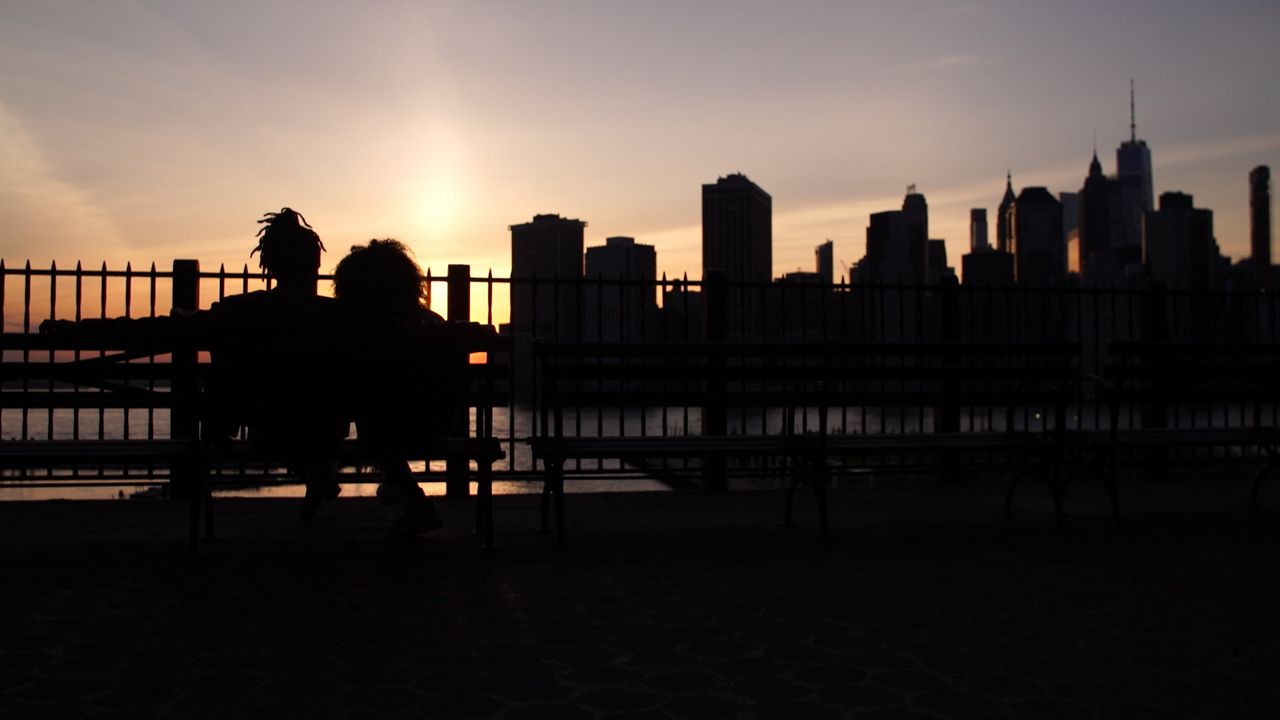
1004 229
1133 196
1133 158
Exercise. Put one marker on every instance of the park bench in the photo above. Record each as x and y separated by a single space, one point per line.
1191 404
802 410
41 375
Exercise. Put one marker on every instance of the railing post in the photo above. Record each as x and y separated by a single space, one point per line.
946 416
457 480
715 304
184 421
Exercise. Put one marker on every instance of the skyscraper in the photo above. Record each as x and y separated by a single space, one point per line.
824 260
898 244
1094 223
1003 231
1038 249
984 265
1260 215
622 305
737 239
737 229
1133 160
1132 194
546 249
1178 247
978 230
915 229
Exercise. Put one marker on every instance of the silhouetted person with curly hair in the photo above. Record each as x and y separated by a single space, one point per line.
405 375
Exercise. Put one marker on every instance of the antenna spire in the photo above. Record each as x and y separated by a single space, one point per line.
1133 125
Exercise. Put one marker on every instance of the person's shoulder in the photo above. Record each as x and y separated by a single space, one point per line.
430 317
241 301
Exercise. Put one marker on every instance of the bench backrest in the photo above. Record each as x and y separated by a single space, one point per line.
1243 376
800 375
51 372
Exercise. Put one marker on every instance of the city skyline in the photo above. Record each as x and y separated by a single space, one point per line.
140 133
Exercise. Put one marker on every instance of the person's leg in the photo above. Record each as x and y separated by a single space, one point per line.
318 477
419 514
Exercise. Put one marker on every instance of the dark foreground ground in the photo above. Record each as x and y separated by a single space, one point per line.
665 605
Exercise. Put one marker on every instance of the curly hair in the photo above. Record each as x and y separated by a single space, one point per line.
287 243
381 279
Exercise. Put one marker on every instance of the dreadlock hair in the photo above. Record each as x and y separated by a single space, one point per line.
288 245
380 279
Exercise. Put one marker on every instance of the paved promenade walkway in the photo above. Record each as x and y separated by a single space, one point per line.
665 605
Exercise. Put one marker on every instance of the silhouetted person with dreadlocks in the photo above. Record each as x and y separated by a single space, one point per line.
274 354
404 379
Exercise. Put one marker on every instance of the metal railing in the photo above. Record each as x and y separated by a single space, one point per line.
666 309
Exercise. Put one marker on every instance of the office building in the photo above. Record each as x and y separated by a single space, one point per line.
737 240
1003 231
1133 161
547 249
1131 194
898 244
915 229
938 267
1038 249
825 260
1094 215
987 268
978 230
1178 246
1260 215
737 229
622 304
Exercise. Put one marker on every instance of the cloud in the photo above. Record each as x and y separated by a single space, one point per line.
43 216
1217 150
946 62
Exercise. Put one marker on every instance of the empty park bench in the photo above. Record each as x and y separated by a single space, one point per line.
54 380
804 410
1211 404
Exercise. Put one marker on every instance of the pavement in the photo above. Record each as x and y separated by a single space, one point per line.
663 605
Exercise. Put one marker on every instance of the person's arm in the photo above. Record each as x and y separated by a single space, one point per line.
122 329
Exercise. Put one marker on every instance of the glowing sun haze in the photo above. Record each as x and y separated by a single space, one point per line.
150 130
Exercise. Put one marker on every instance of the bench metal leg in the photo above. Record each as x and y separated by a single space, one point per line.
1273 459
1058 488
818 481
558 489
544 526
193 519
1008 494
484 505
787 520
210 534
1112 481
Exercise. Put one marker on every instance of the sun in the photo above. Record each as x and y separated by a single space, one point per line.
440 190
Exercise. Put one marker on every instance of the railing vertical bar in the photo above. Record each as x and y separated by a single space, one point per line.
53 314
79 298
128 312
26 354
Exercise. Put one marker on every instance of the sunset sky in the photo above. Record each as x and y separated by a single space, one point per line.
150 130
